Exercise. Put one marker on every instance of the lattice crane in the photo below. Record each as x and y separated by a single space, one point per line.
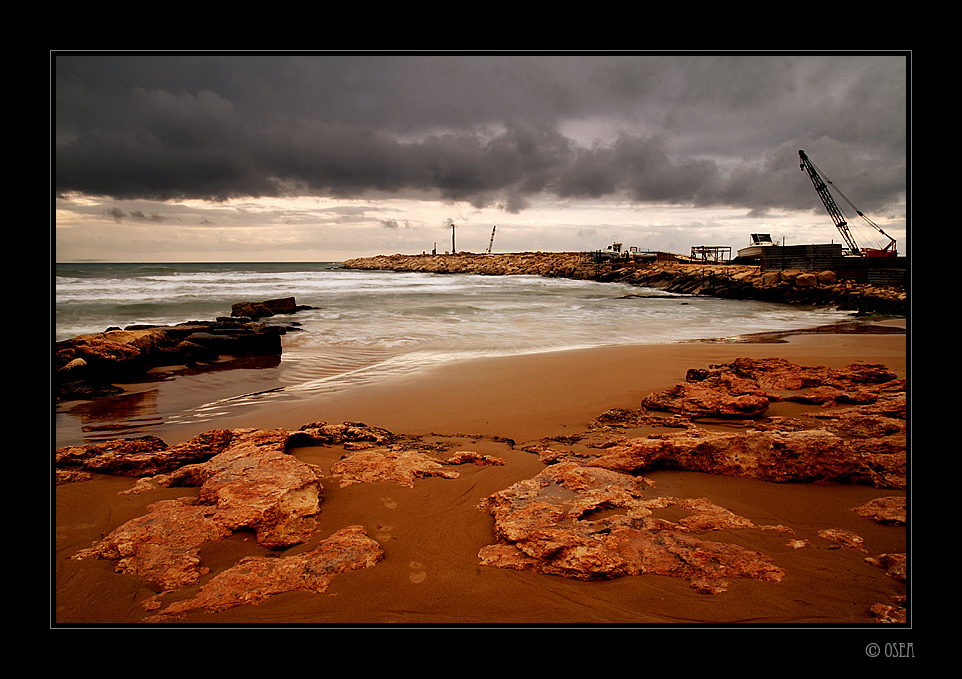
821 183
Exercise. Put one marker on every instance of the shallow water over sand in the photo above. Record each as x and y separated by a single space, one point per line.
368 326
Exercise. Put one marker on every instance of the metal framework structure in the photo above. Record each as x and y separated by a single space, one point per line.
821 183
711 253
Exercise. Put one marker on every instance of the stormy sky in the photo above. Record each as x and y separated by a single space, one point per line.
320 156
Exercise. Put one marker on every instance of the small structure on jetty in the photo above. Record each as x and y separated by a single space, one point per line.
711 253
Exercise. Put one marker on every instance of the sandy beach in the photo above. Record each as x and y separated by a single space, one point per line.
431 533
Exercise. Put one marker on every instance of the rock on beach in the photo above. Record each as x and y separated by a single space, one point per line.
591 514
91 365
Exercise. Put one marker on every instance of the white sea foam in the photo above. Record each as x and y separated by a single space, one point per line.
394 314
369 324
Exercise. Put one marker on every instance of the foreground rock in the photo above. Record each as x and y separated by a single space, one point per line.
746 387
253 484
254 579
544 525
137 457
778 457
863 444
591 514
247 480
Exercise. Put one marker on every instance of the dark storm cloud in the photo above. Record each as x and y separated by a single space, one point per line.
699 130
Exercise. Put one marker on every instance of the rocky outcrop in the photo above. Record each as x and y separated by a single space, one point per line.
591 514
92 365
746 387
733 281
256 578
149 456
857 436
351 435
267 308
252 484
545 524
816 456
889 510
144 456
247 480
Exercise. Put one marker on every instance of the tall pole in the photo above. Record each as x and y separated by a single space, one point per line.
454 250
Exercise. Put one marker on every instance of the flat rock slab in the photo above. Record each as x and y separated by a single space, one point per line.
256 578
253 484
545 525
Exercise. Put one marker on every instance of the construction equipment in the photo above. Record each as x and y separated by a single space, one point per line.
491 243
821 183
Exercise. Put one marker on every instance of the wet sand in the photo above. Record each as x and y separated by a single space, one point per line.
431 533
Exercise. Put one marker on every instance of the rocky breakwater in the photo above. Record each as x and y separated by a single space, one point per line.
733 281
91 365
554 264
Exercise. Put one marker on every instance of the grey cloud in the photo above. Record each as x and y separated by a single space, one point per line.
121 216
487 130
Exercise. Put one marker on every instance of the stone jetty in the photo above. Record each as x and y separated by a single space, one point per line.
89 365
667 273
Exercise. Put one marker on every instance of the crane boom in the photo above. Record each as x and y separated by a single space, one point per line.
821 188
491 243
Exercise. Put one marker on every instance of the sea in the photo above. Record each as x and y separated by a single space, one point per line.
367 326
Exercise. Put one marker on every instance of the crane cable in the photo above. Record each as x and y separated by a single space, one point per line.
852 205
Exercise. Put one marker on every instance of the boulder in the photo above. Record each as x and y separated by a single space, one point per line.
256 578
864 443
252 484
91 365
402 467
270 307
251 310
546 524
811 456
747 387
827 277
144 456
725 396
